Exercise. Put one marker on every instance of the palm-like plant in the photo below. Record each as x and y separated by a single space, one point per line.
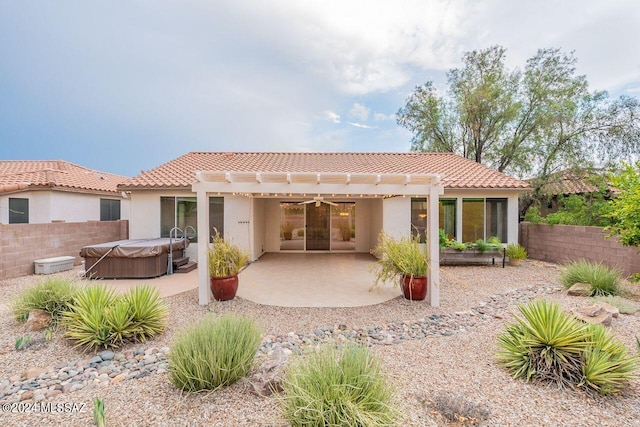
544 343
607 365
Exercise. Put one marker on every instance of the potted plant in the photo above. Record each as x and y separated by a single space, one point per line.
515 252
402 262
225 262
287 230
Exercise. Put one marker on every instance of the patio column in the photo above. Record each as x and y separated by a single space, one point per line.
203 244
433 247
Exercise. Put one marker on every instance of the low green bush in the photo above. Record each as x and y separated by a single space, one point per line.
338 388
603 280
215 352
483 246
52 295
516 251
100 318
545 344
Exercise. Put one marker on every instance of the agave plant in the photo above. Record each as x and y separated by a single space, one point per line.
544 343
607 365
100 318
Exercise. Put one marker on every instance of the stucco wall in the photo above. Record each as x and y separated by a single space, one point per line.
49 206
563 243
21 244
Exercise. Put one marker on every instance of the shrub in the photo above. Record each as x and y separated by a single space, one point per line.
516 251
338 387
213 353
603 280
546 344
52 295
483 246
624 305
543 343
607 366
100 318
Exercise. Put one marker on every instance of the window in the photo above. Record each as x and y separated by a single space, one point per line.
447 217
472 219
497 219
419 218
18 211
182 212
109 210
484 218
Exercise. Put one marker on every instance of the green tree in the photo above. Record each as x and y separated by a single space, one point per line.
533 122
625 212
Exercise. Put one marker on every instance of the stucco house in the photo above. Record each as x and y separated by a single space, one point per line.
322 202
45 191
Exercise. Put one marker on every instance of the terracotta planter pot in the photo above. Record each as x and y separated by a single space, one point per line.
414 288
224 288
514 262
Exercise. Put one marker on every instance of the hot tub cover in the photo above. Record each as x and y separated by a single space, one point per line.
137 248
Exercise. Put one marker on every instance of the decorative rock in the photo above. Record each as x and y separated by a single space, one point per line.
268 378
593 315
26 395
38 320
96 359
580 290
33 372
608 308
107 355
117 379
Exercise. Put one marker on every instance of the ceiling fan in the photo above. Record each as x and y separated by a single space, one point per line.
317 200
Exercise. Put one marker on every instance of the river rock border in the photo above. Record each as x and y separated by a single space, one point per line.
108 367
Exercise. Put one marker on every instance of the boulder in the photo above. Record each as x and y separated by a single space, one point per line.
38 320
580 290
593 315
268 379
608 308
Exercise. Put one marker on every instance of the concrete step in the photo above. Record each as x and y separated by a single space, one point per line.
177 262
190 266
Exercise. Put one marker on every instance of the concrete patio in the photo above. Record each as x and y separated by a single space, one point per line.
313 280
289 280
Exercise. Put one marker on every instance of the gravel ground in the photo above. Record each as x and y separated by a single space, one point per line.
460 367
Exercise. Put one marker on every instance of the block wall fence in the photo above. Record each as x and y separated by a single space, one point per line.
563 243
21 244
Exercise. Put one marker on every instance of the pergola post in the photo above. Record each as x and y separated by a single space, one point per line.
433 246
203 244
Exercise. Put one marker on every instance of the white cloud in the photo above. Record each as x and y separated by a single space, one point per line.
360 125
360 112
380 117
331 116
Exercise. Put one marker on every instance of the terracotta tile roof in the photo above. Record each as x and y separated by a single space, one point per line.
19 175
569 182
458 172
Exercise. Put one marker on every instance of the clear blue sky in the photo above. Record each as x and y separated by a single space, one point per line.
126 86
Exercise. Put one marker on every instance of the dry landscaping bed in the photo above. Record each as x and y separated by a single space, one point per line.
440 359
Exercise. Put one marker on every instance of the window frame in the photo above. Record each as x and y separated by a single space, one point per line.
14 213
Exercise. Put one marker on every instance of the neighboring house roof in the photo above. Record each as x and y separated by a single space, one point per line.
22 175
569 182
458 172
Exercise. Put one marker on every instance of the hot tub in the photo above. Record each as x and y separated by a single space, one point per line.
131 259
